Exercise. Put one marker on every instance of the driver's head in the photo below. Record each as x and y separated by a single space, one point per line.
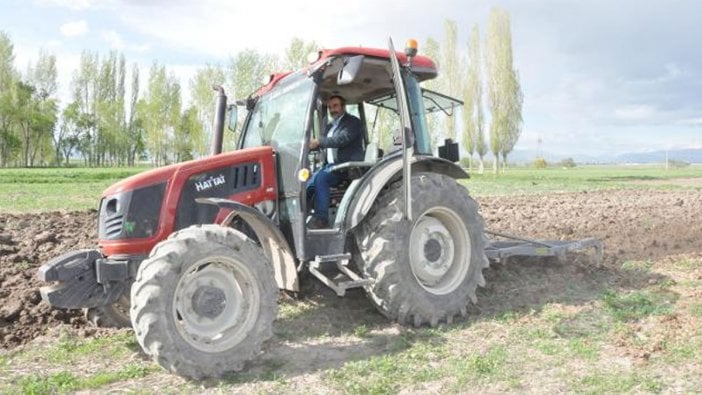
337 106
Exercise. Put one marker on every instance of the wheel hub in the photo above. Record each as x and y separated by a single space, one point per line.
216 303
209 301
432 250
439 250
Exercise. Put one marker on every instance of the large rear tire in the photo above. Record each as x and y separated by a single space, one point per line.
425 271
204 302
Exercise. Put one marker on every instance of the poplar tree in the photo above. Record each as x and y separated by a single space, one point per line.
451 70
504 91
433 50
473 116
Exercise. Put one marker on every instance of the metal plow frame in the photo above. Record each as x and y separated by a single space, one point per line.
502 250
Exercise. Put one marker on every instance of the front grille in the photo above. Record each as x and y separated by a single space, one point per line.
132 214
113 227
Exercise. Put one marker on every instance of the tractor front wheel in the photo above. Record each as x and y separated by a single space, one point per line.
204 301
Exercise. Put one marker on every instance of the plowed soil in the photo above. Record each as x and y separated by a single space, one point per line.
633 224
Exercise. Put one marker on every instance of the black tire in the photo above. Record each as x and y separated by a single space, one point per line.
204 301
437 281
114 315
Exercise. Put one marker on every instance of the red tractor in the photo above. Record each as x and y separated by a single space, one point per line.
192 255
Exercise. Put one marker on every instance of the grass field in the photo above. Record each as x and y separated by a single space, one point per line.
632 327
35 190
331 345
522 180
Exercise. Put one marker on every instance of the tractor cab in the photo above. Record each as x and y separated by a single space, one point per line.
290 110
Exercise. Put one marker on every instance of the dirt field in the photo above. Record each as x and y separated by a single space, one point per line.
633 224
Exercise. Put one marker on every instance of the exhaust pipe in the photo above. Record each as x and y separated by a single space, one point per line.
218 126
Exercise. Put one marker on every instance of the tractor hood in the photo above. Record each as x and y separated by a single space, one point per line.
141 210
162 174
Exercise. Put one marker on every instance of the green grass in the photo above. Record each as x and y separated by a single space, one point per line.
36 190
64 382
638 304
524 180
77 188
70 349
615 383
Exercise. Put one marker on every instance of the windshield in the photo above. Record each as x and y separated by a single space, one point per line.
278 119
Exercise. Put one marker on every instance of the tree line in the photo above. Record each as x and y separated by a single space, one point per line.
468 74
110 122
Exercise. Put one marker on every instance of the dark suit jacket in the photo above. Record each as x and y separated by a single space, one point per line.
347 140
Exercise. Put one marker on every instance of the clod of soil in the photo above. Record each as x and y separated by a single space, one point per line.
633 224
26 242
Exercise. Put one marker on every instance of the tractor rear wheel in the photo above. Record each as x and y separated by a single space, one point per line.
204 302
427 270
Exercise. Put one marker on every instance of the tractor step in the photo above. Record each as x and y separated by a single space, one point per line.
344 279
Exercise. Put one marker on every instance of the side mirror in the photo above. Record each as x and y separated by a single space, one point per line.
349 71
233 118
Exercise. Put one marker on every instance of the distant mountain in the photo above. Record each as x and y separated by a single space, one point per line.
690 155
528 156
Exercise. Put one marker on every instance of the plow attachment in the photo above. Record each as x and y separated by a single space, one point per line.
513 246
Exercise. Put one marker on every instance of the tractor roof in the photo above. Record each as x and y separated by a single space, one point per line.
423 67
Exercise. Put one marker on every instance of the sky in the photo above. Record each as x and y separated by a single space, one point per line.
599 77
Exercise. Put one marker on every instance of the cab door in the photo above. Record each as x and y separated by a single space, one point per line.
406 128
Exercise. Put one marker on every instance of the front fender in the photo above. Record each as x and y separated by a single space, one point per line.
356 204
274 244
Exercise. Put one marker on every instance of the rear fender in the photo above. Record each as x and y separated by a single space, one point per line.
274 244
359 199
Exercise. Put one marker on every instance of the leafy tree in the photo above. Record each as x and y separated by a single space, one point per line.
296 54
539 163
504 91
473 118
567 163
85 93
188 132
451 70
203 101
135 125
9 142
161 114
247 71
68 135
433 50
43 77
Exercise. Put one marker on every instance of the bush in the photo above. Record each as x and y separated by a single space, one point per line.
539 163
677 164
567 163
465 162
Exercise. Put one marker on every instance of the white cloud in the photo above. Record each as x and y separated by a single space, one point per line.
74 29
113 39
141 48
77 5
635 113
